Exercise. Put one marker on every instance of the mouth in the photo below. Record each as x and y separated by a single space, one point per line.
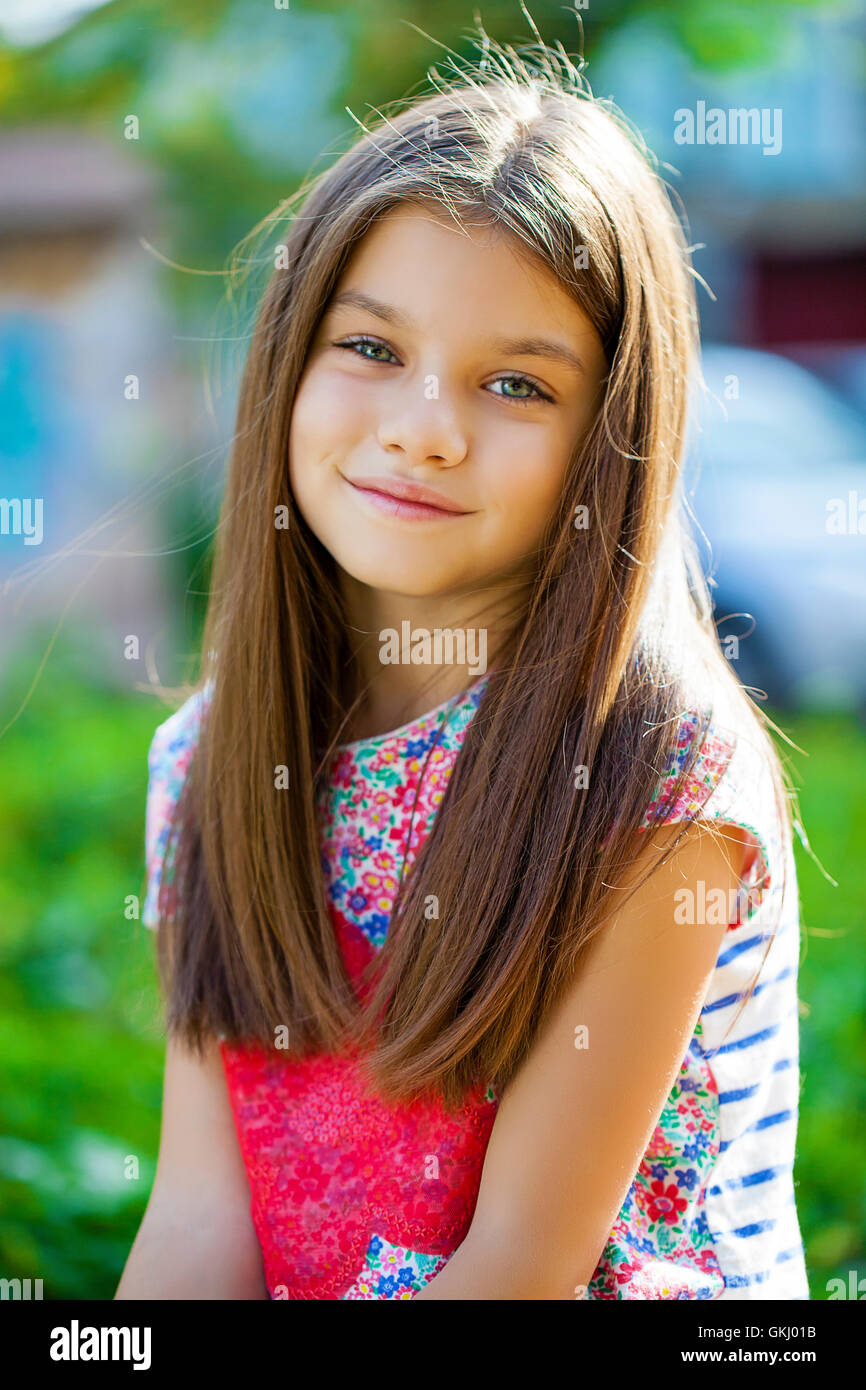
405 500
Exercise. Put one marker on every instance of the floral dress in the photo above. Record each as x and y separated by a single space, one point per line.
356 1198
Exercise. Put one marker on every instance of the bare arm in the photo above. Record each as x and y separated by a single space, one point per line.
196 1240
574 1124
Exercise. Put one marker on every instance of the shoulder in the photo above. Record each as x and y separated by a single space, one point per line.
693 773
170 753
175 738
722 774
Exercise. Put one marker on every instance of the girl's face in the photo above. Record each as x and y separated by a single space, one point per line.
429 369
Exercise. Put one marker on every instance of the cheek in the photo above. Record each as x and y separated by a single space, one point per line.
314 433
331 404
527 494
311 421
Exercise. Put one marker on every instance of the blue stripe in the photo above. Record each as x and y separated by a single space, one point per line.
728 1097
742 1281
742 1043
728 999
795 1253
767 935
751 1179
764 1123
779 1118
737 950
755 1229
740 946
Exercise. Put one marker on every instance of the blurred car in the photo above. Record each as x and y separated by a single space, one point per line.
775 477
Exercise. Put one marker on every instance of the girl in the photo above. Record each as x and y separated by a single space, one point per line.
468 849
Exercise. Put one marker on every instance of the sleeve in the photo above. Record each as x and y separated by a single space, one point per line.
730 783
168 759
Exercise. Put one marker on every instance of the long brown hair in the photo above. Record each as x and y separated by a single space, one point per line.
614 642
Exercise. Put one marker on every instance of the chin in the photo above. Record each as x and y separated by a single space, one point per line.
392 563
411 578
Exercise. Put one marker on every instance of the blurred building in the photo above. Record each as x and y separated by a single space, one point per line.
783 232
80 315
769 161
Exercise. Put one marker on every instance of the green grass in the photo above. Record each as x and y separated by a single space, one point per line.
79 1017
79 1021
831 1147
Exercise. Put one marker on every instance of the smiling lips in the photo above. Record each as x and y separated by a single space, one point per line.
402 498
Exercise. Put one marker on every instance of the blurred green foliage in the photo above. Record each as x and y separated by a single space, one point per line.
79 1025
80 1028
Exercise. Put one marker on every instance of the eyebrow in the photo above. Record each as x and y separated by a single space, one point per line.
518 347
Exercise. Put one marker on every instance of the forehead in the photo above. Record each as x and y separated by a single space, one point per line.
422 260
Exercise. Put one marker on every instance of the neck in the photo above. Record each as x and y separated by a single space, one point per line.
405 669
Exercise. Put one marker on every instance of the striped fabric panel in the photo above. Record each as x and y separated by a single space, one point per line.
750 1199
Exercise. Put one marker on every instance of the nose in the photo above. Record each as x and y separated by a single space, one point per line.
422 426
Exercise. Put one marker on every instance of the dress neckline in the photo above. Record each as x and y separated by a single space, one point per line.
419 724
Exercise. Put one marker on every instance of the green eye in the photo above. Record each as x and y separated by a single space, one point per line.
352 343
358 343
538 394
